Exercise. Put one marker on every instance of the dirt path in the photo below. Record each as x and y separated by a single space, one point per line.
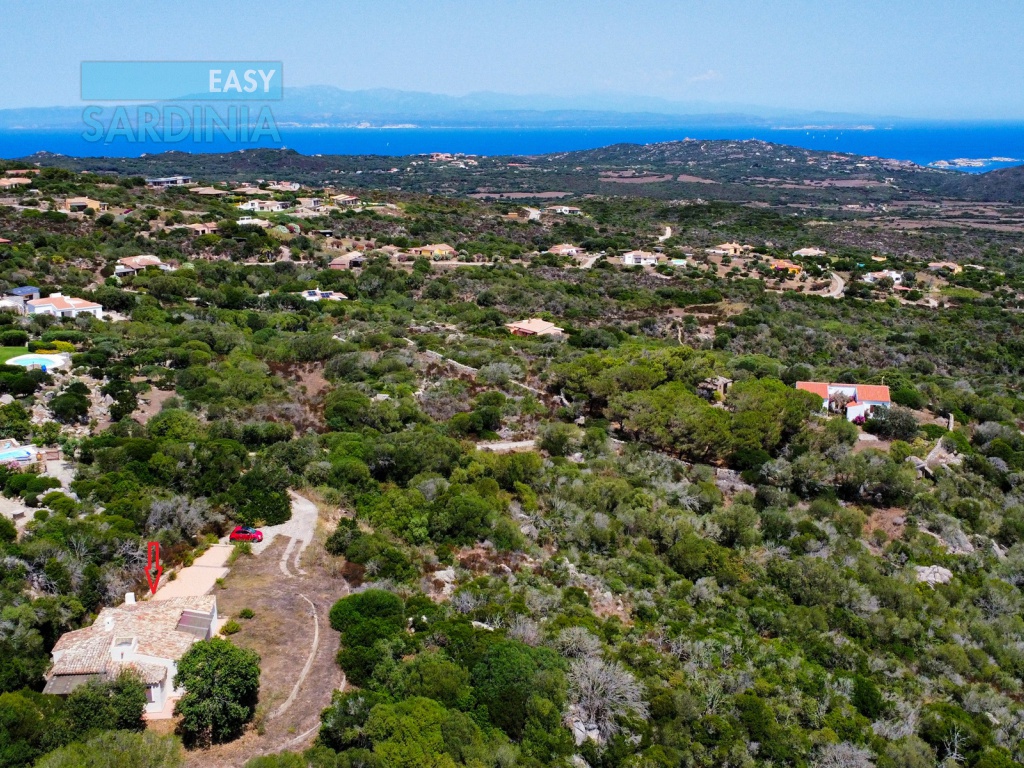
290 587
299 530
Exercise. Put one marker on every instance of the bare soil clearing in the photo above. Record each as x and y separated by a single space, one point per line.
297 646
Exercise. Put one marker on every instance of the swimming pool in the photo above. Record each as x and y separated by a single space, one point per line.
50 361
16 454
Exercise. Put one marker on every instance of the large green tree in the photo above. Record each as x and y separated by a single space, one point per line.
222 685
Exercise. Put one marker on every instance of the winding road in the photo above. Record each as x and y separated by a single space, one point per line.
838 287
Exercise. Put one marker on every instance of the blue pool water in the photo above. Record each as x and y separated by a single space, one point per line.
27 360
15 454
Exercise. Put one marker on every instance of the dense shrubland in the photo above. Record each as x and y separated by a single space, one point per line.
668 579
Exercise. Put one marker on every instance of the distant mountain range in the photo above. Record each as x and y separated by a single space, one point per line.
327 106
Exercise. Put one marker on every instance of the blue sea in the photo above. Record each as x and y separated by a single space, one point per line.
921 144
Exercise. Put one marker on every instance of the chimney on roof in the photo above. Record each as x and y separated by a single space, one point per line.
108 623
129 598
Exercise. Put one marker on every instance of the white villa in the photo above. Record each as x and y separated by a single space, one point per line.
564 210
263 206
641 258
59 305
565 249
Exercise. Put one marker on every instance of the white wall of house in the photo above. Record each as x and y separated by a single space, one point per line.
49 310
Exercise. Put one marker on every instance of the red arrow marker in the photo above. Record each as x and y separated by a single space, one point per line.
153 568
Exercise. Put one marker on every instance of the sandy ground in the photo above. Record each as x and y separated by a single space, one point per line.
14 510
151 403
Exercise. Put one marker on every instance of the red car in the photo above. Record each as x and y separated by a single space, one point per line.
244 533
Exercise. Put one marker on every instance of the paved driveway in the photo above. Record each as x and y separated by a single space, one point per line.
199 578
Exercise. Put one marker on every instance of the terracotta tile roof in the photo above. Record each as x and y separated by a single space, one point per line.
877 393
872 392
150 673
152 625
63 303
819 388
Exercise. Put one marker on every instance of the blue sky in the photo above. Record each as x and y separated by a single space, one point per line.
931 59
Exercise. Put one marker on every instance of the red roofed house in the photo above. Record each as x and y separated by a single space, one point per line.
782 265
859 399
147 638
59 305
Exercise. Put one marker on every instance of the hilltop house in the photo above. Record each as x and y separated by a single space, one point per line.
892 274
203 228
640 258
435 251
565 249
859 400
59 305
311 203
263 206
15 181
809 252
345 200
952 266
534 327
787 266
564 210
730 249
251 221
132 265
169 181
80 204
147 638
353 260
315 294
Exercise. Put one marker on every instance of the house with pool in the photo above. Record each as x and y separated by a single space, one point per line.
59 305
